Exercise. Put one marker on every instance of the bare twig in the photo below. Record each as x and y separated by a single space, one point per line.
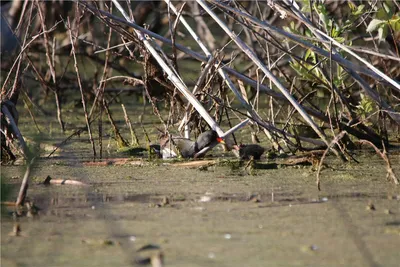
177 81
120 140
81 90
25 184
247 50
334 141
10 121
135 140
46 41
390 174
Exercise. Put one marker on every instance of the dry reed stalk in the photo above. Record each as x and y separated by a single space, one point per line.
46 41
223 75
120 140
311 110
295 8
292 37
345 63
172 76
240 76
32 116
81 89
50 62
247 50
267 132
321 161
100 91
22 52
351 68
352 71
390 173
199 83
134 140
25 184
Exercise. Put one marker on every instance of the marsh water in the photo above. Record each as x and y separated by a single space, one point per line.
218 215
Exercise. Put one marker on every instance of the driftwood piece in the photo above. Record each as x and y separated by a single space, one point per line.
194 164
49 181
117 162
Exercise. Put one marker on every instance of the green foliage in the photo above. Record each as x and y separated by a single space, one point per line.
356 10
366 107
335 30
306 71
291 28
385 18
340 76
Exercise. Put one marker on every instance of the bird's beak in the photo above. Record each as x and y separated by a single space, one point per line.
220 140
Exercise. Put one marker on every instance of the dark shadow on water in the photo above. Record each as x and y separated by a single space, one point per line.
394 223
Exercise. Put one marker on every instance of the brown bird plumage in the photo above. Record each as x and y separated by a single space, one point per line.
247 151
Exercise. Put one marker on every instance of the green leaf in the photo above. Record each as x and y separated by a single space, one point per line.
330 24
351 5
382 14
308 52
395 24
388 9
324 18
305 5
340 39
360 9
336 31
365 107
374 25
383 32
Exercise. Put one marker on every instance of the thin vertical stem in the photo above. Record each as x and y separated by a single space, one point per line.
81 89
134 140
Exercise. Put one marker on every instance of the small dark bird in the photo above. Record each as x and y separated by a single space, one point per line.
249 151
172 147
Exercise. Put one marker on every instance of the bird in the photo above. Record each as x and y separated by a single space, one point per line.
172 147
8 40
249 151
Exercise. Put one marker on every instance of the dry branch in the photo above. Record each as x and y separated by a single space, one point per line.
24 185
172 75
81 89
321 161
248 51
49 181
390 174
